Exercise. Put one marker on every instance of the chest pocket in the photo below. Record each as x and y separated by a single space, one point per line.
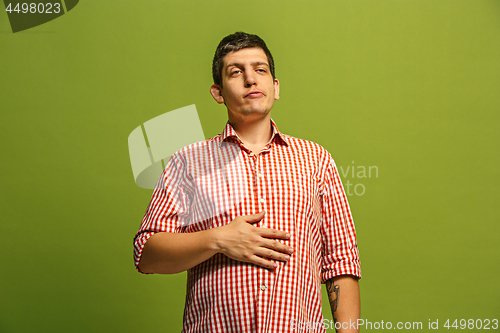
296 190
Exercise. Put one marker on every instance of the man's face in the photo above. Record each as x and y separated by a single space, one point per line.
248 88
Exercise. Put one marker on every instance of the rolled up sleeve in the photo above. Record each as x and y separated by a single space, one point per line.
340 254
168 210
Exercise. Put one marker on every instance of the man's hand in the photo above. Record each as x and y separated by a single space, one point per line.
240 240
169 253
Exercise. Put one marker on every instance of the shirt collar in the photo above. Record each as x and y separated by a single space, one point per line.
277 136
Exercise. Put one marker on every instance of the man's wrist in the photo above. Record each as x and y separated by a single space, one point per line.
214 240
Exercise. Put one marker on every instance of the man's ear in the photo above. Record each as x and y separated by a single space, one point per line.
276 89
216 92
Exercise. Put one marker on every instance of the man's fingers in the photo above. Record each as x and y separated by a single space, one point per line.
265 232
254 217
271 254
273 233
259 246
277 247
263 262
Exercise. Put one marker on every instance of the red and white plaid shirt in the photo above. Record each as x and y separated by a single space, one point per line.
209 183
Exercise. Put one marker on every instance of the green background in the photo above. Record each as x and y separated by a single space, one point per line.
411 87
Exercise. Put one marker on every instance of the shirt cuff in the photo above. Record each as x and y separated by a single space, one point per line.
347 267
139 242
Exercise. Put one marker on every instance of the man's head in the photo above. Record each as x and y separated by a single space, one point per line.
244 78
236 42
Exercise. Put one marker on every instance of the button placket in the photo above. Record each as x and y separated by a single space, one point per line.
259 186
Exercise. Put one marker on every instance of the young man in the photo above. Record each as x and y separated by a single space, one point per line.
258 218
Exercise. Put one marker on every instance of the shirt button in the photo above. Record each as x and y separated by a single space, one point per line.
263 287
262 200
252 154
259 174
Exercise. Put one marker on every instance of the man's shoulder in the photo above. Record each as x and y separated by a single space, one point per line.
202 144
305 146
198 149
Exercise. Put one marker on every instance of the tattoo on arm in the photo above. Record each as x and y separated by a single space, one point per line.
333 291
333 295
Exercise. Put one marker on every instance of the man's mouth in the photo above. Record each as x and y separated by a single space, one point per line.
254 94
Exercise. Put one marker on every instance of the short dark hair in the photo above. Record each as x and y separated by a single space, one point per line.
235 42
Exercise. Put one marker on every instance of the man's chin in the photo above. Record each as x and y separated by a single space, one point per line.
250 113
254 114
260 110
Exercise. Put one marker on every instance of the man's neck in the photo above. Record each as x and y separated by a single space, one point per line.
255 133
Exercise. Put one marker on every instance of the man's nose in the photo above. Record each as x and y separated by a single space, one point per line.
250 79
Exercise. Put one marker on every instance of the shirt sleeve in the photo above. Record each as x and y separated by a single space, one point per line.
340 249
168 210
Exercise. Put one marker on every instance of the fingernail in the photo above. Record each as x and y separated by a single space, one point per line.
287 235
275 265
291 250
287 258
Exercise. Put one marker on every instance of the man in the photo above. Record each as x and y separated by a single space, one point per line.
259 219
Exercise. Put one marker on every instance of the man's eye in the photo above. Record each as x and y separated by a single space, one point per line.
235 72
262 70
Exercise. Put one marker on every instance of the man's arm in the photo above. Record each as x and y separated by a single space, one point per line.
169 253
343 293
